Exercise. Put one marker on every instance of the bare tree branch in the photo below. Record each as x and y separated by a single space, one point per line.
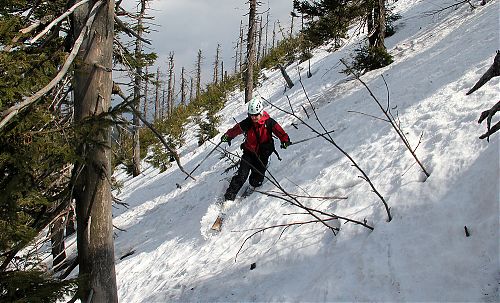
286 225
57 20
391 121
128 31
488 115
117 90
493 71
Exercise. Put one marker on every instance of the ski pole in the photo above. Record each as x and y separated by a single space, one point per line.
206 157
307 139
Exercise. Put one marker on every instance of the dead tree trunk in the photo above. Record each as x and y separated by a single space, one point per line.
146 80
267 31
198 73
241 46
236 58
183 87
57 242
170 92
376 25
158 109
289 82
259 45
191 89
222 71
274 35
250 51
136 146
92 192
216 65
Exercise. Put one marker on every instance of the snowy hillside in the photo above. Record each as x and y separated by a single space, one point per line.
423 254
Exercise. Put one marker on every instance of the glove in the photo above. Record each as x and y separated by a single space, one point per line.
285 144
225 138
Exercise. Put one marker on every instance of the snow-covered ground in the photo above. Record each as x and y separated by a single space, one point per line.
423 254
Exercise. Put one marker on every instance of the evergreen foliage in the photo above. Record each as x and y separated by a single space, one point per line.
369 58
37 151
34 287
327 20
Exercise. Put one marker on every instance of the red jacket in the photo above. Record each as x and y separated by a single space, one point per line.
258 137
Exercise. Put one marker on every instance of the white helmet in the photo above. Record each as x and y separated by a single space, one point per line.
255 106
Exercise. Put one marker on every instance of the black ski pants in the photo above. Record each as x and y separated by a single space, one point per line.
252 164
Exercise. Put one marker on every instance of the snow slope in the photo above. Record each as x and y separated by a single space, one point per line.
421 255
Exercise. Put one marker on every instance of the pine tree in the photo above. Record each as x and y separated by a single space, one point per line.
36 151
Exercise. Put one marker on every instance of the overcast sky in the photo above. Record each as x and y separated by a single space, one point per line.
184 26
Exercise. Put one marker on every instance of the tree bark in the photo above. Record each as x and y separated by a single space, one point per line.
198 74
92 193
136 146
289 82
250 51
158 109
170 88
183 87
57 242
376 24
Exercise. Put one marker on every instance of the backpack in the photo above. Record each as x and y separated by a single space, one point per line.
267 149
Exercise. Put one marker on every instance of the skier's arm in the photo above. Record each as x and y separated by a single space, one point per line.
234 131
280 133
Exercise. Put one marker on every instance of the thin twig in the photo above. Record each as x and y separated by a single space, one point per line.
311 197
286 225
391 121
374 117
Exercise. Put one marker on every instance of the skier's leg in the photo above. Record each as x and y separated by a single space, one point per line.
258 173
239 179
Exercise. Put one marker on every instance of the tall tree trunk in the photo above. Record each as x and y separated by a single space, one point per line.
136 146
183 87
57 242
376 24
274 35
259 45
198 73
241 46
92 96
381 24
216 65
191 88
250 51
158 109
267 30
222 72
236 58
146 81
170 92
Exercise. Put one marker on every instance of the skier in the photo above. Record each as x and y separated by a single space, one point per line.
258 128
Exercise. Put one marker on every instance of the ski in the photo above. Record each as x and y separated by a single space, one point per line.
217 226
